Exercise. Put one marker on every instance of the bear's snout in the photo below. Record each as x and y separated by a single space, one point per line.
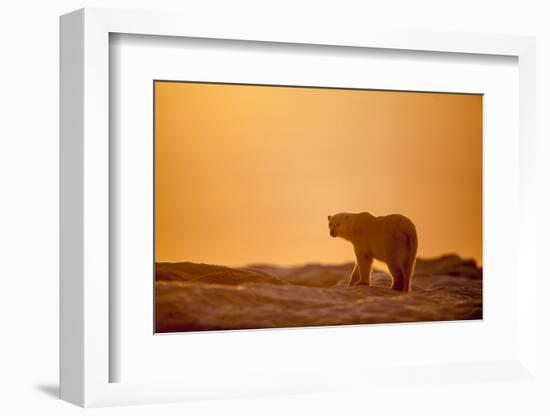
332 233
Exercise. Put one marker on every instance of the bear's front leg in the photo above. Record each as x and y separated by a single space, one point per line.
355 276
365 270
364 264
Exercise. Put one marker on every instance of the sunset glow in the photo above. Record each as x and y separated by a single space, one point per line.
247 174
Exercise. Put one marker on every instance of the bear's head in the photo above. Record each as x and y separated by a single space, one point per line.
340 225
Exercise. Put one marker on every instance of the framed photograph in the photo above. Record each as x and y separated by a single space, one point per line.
240 210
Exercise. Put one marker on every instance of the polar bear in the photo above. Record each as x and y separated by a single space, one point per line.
391 239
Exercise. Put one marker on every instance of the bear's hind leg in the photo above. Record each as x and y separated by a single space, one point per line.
408 272
407 283
398 277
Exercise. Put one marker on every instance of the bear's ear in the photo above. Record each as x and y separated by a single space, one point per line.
329 217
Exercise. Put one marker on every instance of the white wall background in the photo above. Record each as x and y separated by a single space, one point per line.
29 210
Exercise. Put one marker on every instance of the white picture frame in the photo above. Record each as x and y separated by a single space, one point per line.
85 220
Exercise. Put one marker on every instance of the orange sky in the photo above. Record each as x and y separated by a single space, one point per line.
249 174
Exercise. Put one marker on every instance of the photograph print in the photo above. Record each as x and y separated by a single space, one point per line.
294 206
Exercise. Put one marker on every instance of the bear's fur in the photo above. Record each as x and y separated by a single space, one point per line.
391 239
